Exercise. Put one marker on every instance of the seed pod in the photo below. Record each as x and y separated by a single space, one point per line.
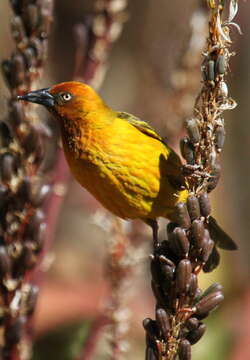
207 249
212 288
151 327
183 276
195 335
210 70
7 166
45 23
6 70
45 47
170 228
5 135
27 259
197 295
193 131
165 261
3 194
39 193
168 272
17 29
222 90
184 350
5 262
212 157
30 141
115 7
219 137
150 342
12 224
17 115
164 248
192 323
162 319
202 316
47 9
18 71
29 57
14 331
32 17
182 215
39 152
187 151
158 293
179 242
155 271
213 261
32 299
220 65
204 72
193 207
215 176
198 232
24 191
150 354
209 303
33 227
205 204
193 285
37 45
39 239
17 6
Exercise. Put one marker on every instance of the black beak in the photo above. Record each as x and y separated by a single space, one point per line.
42 97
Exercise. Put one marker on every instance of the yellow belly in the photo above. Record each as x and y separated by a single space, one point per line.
129 177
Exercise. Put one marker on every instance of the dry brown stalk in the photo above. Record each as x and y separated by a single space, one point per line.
23 185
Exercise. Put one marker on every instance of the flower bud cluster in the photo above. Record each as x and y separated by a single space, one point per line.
30 27
22 187
193 235
180 304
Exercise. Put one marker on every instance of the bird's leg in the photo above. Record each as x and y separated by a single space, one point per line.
154 225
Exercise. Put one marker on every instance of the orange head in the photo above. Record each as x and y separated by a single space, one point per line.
67 99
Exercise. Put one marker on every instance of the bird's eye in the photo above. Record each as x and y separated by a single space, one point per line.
66 97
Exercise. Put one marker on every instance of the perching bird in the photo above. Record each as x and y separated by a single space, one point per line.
118 158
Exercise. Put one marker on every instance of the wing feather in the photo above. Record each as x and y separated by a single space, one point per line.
143 126
174 165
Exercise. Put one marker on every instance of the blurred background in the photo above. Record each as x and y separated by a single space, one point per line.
143 78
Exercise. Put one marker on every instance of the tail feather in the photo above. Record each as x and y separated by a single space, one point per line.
221 239
213 261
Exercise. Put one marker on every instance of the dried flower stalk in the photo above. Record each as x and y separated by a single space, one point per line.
185 77
121 266
23 186
194 236
94 40
124 254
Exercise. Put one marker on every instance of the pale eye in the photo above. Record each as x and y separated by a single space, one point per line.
67 97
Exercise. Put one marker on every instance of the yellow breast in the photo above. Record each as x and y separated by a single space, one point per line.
127 171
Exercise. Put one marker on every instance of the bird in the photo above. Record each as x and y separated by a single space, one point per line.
120 159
